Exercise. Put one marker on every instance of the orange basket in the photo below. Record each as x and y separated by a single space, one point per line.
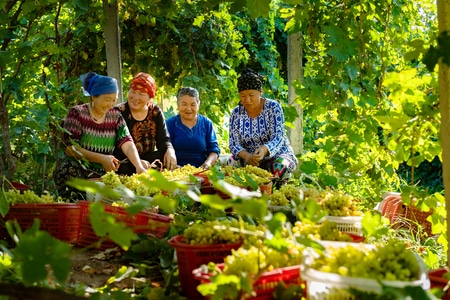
61 220
142 222
265 285
415 217
191 257
393 208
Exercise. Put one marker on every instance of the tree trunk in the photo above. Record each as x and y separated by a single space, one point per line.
295 73
444 96
112 44
9 161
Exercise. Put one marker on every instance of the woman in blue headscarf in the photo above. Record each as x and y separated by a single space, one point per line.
93 131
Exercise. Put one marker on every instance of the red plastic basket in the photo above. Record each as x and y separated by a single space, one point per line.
20 186
437 280
191 257
143 222
393 208
265 285
61 220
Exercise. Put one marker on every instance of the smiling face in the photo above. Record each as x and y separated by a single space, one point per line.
104 102
137 100
188 107
250 99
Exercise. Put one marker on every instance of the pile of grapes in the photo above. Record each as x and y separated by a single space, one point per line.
114 181
326 231
254 260
334 203
285 195
391 261
183 174
257 174
15 197
219 232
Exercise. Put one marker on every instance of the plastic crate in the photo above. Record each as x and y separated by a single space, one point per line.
142 222
265 285
325 286
61 220
20 186
190 257
415 217
437 280
350 224
393 209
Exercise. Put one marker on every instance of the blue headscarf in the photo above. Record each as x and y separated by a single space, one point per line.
95 85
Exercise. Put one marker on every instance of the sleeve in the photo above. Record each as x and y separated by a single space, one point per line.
73 126
276 122
123 134
211 138
162 134
234 139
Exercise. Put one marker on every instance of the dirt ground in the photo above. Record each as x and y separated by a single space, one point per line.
94 267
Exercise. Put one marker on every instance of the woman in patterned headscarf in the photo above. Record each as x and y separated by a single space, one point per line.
257 135
93 131
147 126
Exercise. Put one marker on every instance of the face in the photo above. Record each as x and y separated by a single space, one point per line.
104 102
188 107
250 99
137 100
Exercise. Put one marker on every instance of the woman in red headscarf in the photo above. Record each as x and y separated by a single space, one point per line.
146 123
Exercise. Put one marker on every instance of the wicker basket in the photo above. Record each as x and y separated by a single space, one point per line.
265 285
414 218
61 220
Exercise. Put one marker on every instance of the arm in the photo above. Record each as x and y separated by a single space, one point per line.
131 152
275 116
212 146
109 162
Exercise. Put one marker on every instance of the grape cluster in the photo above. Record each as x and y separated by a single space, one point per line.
184 173
391 261
334 203
114 181
258 175
253 260
15 197
327 231
219 232
285 195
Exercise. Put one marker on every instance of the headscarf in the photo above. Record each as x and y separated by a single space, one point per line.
145 83
250 80
95 85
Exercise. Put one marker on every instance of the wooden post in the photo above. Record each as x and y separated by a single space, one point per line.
112 44
295 73
444 97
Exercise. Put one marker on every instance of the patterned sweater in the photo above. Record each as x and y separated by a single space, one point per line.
266 129
100 138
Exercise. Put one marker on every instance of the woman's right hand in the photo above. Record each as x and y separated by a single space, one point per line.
170 160
110 163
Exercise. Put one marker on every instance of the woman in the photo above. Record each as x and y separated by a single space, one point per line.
94 129
257 136
147 126
192 134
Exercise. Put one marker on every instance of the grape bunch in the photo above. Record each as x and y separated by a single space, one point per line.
253 260
334 203
115 181
219 232
327 231
391 261
258 175
184 173
15 197
285 195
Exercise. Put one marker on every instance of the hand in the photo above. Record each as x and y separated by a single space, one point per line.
260 152
146 164
140 170
110 163
170 160
205 166
253 160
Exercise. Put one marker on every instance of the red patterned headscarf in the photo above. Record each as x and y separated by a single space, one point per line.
145 83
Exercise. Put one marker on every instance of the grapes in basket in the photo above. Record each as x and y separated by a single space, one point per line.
285 195
115 181
27 197
219 232
327 231
247 176
391 261
334 202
